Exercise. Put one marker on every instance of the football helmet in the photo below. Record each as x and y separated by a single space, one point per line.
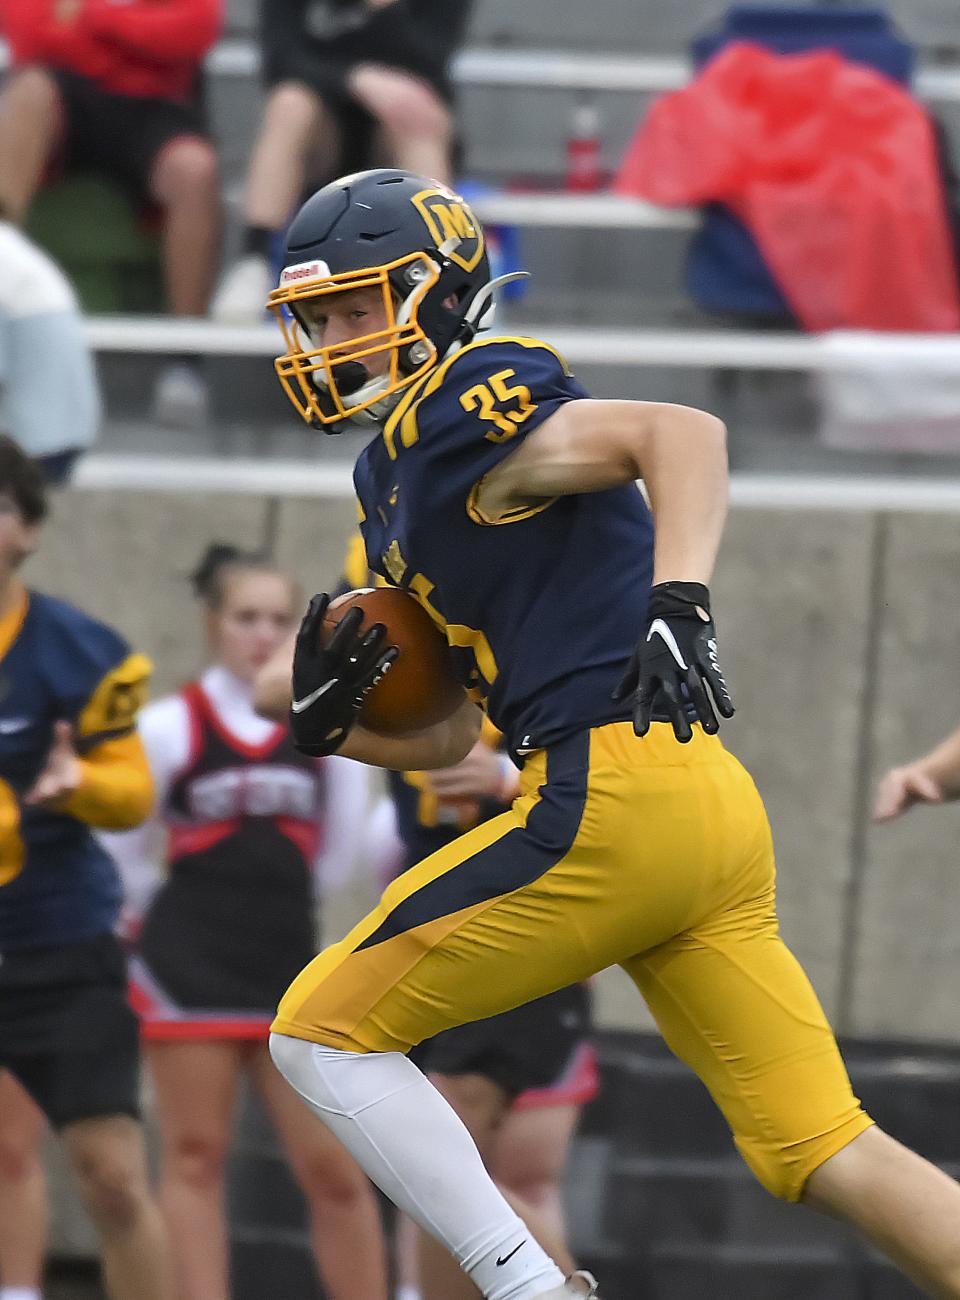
409 237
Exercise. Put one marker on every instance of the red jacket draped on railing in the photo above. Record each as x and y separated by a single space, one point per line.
832 167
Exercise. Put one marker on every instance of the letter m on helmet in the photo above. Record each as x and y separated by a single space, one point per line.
451 223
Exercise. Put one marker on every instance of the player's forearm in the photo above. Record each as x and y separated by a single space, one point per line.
116 788
591 445
684 467
440 746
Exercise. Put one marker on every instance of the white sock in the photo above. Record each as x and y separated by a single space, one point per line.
415 1148
20 1293
408 1293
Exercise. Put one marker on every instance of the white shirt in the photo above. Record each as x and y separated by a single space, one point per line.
49 400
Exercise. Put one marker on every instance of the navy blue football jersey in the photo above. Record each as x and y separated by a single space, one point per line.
543 607
57 884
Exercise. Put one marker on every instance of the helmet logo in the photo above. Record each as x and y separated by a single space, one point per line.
448 218
304 271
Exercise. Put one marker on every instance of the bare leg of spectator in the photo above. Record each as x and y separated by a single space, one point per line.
529 1158
185 181
108 1159
196 1088
23 1193
345 1225
293 118
294 121
29 126
406 1258
416 124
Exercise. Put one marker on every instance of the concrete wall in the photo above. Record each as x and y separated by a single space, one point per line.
903 930
839 634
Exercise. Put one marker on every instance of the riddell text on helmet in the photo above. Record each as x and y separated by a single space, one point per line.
304 271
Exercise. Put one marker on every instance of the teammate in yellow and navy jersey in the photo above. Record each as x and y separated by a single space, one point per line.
58 665
504 498
70 761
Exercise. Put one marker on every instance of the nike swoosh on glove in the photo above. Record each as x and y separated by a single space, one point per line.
675 663
330 682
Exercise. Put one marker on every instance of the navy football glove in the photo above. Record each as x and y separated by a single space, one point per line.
675 662
331 681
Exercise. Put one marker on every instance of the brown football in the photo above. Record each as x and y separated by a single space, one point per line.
420 688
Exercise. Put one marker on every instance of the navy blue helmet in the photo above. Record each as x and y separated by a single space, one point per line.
417 244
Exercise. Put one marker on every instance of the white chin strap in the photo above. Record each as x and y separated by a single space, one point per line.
364 393
481 313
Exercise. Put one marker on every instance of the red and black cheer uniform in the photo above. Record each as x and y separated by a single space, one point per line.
234 920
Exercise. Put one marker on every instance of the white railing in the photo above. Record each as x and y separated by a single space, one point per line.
294 478
555 69
691 348
540 210
561 70
261 477
641 74
594 211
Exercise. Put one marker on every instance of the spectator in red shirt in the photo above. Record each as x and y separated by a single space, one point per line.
105 86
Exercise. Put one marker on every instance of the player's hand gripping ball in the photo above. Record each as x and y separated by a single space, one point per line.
421 688
332 677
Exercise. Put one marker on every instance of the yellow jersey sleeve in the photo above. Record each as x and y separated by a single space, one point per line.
115 702
116 788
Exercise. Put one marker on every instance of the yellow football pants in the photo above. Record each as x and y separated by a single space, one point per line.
642 852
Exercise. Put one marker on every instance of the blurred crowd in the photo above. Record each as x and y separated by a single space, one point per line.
117 90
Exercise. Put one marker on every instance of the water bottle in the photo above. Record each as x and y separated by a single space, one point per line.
584 174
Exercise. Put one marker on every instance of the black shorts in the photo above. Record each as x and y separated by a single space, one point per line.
419 37
121 135
528 1048
67 1032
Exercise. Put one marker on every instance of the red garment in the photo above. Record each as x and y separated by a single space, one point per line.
831 166
143 48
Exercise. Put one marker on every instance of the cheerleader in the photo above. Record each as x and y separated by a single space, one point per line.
246 820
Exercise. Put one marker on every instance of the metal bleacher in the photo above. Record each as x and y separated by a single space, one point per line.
607 273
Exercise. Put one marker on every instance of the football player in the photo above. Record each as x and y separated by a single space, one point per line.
505 499
70 760
517 1080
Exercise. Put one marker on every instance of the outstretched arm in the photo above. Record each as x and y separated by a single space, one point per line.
934 778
